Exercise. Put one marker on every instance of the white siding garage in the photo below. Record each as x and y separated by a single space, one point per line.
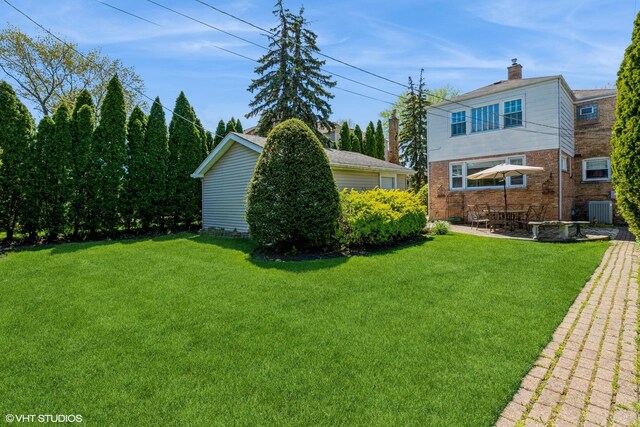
224 189
356 180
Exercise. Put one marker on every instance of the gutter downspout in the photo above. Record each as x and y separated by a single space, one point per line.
559 156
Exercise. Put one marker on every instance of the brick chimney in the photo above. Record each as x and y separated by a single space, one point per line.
514 72
393 155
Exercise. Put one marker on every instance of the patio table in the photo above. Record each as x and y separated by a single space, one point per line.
513 216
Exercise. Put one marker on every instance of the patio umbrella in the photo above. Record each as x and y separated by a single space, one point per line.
503 171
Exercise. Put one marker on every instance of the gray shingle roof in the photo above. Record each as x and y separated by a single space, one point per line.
345 159
585 94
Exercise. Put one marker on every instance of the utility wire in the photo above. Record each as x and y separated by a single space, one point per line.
129 13
442 98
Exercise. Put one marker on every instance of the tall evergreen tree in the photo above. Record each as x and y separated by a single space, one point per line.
290 81
221 132
184 157
239 128
358 133
625 156
413 133
136 165
208 136
153 182
344 142
380 141
82 127
370 141
110 157
56 158
16 136
355 143
231 126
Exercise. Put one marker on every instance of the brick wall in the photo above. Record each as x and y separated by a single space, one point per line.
593 139
542 188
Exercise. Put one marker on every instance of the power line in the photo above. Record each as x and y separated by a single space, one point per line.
129 13
442 98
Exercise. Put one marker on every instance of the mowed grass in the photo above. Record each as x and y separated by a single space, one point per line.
189 330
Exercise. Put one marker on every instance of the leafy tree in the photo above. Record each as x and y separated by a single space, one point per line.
231 126
358 133
221 132
370 141
239 128
290 81
110 156
153 182
380 141
136 167
16 135
344 142
49 72
83 122
185 154
293 202
625 156
413 131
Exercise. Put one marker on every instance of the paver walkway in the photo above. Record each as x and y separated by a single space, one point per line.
586 376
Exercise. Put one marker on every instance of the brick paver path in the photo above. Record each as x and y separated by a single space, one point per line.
586 376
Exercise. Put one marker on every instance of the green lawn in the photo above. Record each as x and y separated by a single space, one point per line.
189 330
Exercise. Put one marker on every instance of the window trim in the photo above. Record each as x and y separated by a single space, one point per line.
451 123
584 170
590 104
388 175
493 187
490 104
504 114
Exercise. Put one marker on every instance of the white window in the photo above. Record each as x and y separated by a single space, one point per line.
564 163
388 182
513 113
457 175
485 118
458 123
588 112
597 169
459 171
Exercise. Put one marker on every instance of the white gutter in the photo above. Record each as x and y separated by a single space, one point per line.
559 157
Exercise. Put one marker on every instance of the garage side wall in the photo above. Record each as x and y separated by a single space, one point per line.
224 189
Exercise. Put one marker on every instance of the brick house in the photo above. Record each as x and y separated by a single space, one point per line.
537 121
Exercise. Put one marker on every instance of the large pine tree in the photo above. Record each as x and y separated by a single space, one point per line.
110 156
16 138
153 182
290 81
380 141
185 154
83 123
625 156
413 133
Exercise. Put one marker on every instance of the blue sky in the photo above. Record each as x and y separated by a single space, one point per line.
466 44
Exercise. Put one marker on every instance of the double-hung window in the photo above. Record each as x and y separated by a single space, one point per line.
458 123
597 169
485 118
513 113
457 175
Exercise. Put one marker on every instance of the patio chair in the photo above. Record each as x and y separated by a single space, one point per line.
524 222
534 213
496 218
478 216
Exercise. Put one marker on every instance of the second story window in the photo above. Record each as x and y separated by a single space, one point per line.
458 123
485 118
513 113
588 112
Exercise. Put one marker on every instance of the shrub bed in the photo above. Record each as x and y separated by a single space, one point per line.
379 217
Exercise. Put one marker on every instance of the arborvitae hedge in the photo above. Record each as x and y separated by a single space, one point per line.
56 156
153 184
380 141
293 202
83 123
625 156
358 133
221 132
370 141
344 143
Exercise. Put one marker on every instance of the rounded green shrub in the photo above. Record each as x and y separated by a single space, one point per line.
423 196
379 217
293 203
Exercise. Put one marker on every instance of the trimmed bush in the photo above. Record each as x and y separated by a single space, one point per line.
379 217
293 203
439 227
